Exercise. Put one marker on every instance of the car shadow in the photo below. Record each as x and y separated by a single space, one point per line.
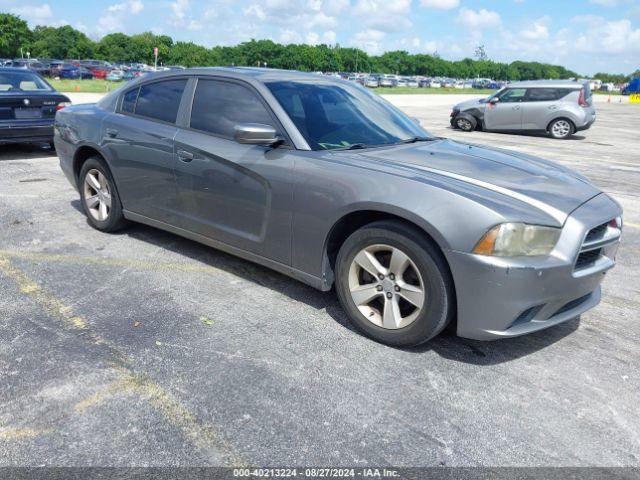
25 151
446 345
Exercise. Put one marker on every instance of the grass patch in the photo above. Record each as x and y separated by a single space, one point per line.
602 92
86 86
429 91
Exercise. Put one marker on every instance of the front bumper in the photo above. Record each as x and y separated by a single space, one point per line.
507 297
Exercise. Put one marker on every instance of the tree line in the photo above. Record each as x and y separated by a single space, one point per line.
16 38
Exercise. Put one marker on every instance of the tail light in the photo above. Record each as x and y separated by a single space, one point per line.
61 105
581 100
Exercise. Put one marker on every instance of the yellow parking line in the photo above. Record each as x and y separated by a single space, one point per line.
18 433
111 262
167 405
632 225
50 304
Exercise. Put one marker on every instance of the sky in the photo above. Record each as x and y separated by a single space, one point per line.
587 36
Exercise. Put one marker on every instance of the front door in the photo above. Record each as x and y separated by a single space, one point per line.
237 194
506 113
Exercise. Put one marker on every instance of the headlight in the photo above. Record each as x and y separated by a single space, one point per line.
518 239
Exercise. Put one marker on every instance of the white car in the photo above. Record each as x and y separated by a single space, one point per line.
435 84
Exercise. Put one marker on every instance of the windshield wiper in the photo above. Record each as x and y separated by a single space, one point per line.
416 139
355 146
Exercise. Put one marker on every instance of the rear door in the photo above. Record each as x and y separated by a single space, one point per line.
540 106
237 194
506 114
138 140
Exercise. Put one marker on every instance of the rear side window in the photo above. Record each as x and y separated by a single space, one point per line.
546 94
219 106
160 100
129 100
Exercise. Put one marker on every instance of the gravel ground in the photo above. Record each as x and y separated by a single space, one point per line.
143 348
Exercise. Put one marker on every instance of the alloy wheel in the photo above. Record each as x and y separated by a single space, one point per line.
97 194
386 286
561 128
464 124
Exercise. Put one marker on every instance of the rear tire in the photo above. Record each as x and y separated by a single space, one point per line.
412 295
561 128
99 196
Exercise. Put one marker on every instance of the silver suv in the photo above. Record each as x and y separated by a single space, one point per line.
559 107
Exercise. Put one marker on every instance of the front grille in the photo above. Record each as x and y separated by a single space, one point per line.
588 258
596 233
594 244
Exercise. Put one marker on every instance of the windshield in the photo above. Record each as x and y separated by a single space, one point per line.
331 115
22 82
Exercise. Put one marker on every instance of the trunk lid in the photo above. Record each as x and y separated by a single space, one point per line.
29 106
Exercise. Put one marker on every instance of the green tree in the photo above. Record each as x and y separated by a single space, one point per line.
14 33
116 47
62 42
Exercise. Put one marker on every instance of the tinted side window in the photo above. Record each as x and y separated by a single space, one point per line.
129 100
220 106
160 100
546 94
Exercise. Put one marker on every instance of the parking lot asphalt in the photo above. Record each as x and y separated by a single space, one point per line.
143 348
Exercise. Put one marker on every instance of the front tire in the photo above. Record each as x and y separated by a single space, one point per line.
99 196
394 284
466 123
561 128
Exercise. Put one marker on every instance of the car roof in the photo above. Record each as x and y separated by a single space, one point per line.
547 84
250 74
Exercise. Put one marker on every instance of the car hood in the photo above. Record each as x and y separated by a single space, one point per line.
473 103
544 185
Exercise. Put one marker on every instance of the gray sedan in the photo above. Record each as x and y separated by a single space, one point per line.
326 182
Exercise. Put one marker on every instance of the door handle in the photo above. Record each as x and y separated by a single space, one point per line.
517 107
184 155
553 107
111 132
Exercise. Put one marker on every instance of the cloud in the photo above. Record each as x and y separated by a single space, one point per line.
479 19
537 31
370 41
613 37
132 6
604 3
116 16
381 15
440 4
34 13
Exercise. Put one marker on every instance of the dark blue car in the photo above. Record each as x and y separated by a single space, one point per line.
632 87
28 106
70 71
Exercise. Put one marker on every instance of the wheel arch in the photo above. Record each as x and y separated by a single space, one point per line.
355 219
82 154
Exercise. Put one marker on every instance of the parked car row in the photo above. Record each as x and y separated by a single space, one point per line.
83 69
388 80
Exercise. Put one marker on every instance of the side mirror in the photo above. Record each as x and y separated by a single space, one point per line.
494 100
255 134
